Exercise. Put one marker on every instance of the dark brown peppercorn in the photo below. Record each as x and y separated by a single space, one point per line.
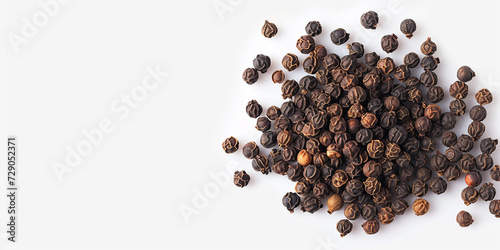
399 206
408 26
424 174
476 130
250 150
295 172
429 63
369 20
488 145
372 169
319 52
469 195
339 178
337 125
268 139
383 198
241 178
289 88
371 81
291 201
402 190
437 185
423 125
420 206
369 120
371 59
484 162
467 163
290 62
452 173
313 146
487 192
313 28
428 78
278 76
311 64
263 124
321 190
448 120
449 138
368 211
386 215
289 154
348 63
464 219
495 173
280 167
465 74
339 36
411 60
465 143
435 94
250 76
311 173
477 113
457 107
261 63
274 155
495 208
253 109
372 186
484 97
351 149
326 138
453 154
389 43
285 139
269 29
432 112
230 145
375 149
439 163
459 90
356 49
402 72
428 47
344 227
364 136
352 211
419 188
331 61
305 44
371 226
412 82
260 163
415 95
311 204
354 187
386 65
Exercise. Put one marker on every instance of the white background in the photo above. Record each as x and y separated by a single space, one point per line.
128 191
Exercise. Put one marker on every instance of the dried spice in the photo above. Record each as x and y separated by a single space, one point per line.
464 219
269 29
241 178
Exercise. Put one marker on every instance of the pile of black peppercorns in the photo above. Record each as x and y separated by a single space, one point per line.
362 136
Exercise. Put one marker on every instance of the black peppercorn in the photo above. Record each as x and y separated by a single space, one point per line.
311 204
411 60
386 65
290 62
230 145
465 74
344 227
402 72
437 185
253 109
371 59
399 206
452 173
348 63
402 190
288 108
419 159
469 195
372 186
313 28
457 107
435 94
432 112
429 63
291 201
285 139
319 52
467 163
339 178
269 29
439 163
311 173
289 88
371 226
419 188
484 97
321 190
388 120
449 138
351 149
453 154
424 174
368 211
423 125
464 219
295 172
411 145
476 130
364 136
484 162
261 63
241 178
459 90
495 173
448 120
260 163
278 76
274 155
488 145
280 167
415 95
311 64
389 43
428 47
369 20
408 26
487 192
339 36
375 149
383 198
289 154
250 150
263 124
356 49
250 76
273 112
305 44
352 211
331 61
412 82
268 139
386 215
398 134
428 78
495 208
477 113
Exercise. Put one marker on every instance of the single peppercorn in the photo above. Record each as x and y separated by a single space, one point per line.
437 185
389 43
465 143
429 63
348 64
321 190
344 227
368 211
311 204
449 138
250 150
419 188
469 195
435 94
464 219
484 97
465 74
268 139
424 174
319 52
411 60
313 28
476 130
269 29
354 187
289 88
467 163
484 162
399 206
457 107
371 59
290 62
280 167
352 211
495 208
420 206
241 178
375 149
428 47
369 20
230 145
278 76
305 44
295 172
339 178
459 90
285 139
291 201
386 215
448 120
260 163
371 226
261 63
487 192
495 173
339 36
477 113
304 158
408 26
453 154
356 49
452 173
263 124
253 109
402 72
432 112
428 78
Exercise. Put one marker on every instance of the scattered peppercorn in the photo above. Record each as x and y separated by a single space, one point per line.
389 43
230 145
344 227
241 178
469 195
313 28
278 76
428 47
495 208
465 74
369 20
339 36
371 226
290 62
464 219
420 206
477 113
250 76
408 26
495 173
487 192
291 201
484 97
411 60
